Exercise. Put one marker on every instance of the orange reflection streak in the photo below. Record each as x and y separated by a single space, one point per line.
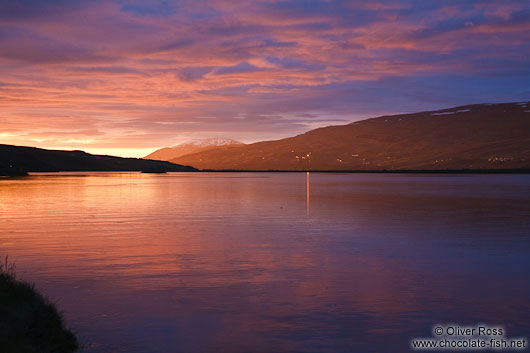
307 193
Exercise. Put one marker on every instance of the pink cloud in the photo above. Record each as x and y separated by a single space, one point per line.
239 70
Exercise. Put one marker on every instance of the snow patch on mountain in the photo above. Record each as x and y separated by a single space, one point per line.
210 142
447 113
191 146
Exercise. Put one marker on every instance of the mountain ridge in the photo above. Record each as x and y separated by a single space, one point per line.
189 147
477 136
18 160
487 137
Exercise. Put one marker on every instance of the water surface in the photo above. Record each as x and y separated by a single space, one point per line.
271 262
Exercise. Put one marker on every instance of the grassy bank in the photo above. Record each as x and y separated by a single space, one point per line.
29 322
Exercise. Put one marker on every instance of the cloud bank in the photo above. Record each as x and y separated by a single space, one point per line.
130 76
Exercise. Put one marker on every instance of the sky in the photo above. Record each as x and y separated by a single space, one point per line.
126 77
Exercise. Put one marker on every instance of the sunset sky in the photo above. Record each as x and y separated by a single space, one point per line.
127 77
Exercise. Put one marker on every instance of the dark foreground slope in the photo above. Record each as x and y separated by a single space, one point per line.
28 321
15 160
482 136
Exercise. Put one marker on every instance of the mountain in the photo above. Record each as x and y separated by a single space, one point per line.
480 136
199 145
17 160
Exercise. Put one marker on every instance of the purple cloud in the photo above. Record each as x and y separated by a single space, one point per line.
161 70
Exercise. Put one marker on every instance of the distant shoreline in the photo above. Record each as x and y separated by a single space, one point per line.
401 171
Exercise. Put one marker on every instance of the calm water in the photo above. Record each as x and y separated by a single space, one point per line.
251 262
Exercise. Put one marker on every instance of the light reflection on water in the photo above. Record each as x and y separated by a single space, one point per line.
232 262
